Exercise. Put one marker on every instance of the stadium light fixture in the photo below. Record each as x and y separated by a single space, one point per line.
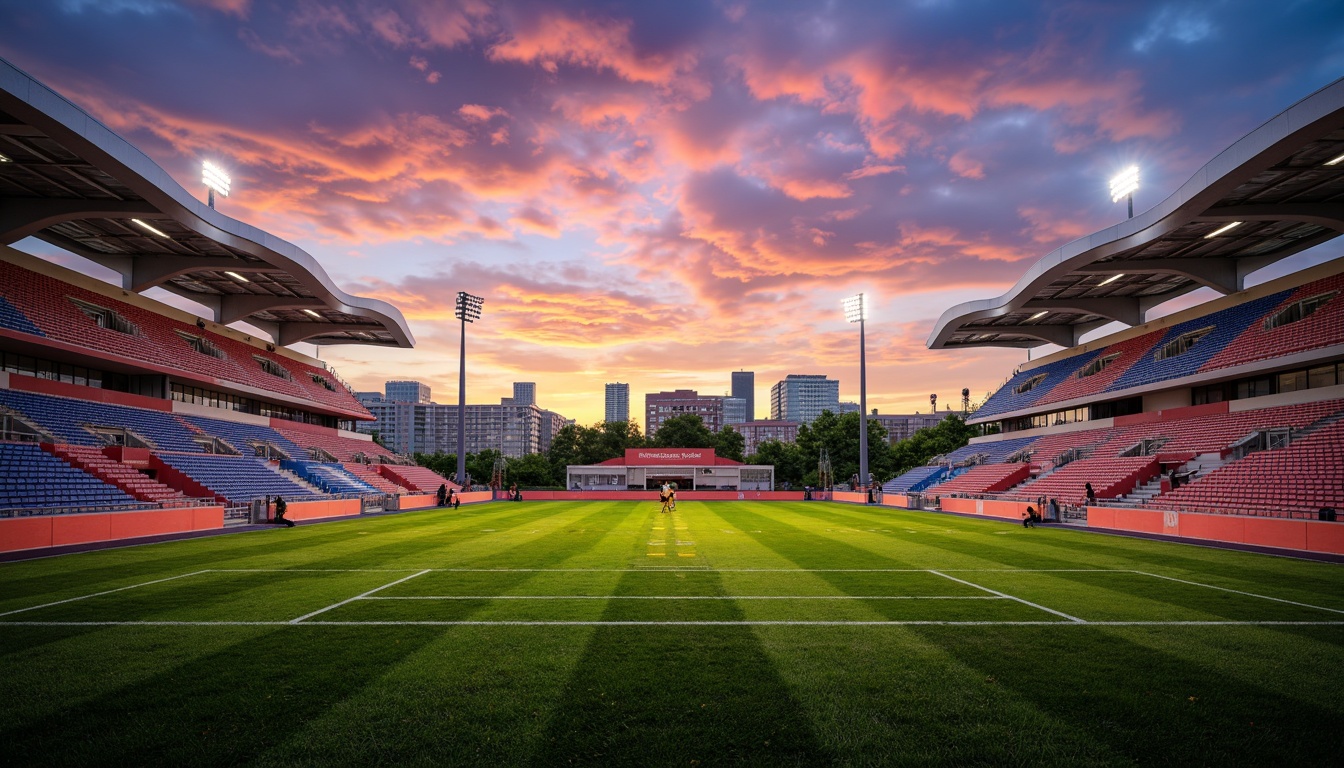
468 311
1038 315
1228 227
238 277
1123 186
215 180
1335 161
6 159
1110 279
312 314
856 311
148 228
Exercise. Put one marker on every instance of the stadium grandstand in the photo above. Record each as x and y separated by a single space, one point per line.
1234 406
112 402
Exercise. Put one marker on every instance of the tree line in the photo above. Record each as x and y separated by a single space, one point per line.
795 463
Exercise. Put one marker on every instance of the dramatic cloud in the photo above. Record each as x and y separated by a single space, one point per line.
662 193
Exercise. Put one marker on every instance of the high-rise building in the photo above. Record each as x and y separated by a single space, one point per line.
514 429
407 392
661 406
801 397
756 432
902 426
734 410
618 402
744 387
524 393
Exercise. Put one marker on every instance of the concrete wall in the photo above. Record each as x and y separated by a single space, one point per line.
18 533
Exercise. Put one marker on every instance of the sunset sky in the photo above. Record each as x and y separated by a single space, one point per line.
660 193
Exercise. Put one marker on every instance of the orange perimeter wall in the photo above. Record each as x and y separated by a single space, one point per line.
1007 510
58 530
313 510
1304 535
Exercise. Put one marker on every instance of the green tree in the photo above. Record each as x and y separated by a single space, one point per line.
582 446
684 431
729 443
481 465
839 435
443 463
532 471
786 458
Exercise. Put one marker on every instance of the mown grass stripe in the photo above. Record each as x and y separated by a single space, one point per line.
105 592
1010 597
357 597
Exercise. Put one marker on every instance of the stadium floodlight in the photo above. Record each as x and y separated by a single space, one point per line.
215 180
1335 161
149 228
238 277
1038 315
856 311
312 314
1228 227
1123 186
468 311
1110 279
6 159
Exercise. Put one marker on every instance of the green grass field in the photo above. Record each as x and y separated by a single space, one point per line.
606 633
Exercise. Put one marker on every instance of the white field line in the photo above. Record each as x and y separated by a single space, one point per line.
1239 592
312 570
787 623
675 568
1010 597
105 592
687 597
356 597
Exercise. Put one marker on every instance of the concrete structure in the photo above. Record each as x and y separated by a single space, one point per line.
744 387
513 428
618 402
407 392
900 426
551 423
661 406
802 397
756 432
688 468
524 393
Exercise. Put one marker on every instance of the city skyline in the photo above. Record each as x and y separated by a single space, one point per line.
657 198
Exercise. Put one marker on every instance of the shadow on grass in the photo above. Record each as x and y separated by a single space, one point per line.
1154 705
223 709
677 695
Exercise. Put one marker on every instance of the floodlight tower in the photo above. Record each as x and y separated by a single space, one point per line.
1123 185
468 311
215 180
856 311
965 401
933 403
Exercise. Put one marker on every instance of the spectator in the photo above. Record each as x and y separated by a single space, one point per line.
1029 518
443 493
280 508
1091 494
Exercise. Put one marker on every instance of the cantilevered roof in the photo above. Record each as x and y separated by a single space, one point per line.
1278 182
69 180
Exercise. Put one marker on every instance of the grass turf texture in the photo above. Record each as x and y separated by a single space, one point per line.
607 633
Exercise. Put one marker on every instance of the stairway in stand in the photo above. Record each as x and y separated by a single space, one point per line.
110 471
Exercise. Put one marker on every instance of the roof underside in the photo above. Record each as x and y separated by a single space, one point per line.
1275 183
68 180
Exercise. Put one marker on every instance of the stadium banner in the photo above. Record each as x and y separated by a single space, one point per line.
41 531
668 457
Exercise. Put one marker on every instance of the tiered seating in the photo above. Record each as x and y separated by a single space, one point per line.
915 479
343 448
237 479
32 478
1006 399
985 478
45 302
1209 434
1295 481
65 418
1322 328
14 320
1130 352
1227 325
238 435
417 478
995 451
369 474
331 478
1110 477
113 472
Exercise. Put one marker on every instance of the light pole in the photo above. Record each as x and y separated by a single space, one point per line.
468 311
1123 185
857 312
215 180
